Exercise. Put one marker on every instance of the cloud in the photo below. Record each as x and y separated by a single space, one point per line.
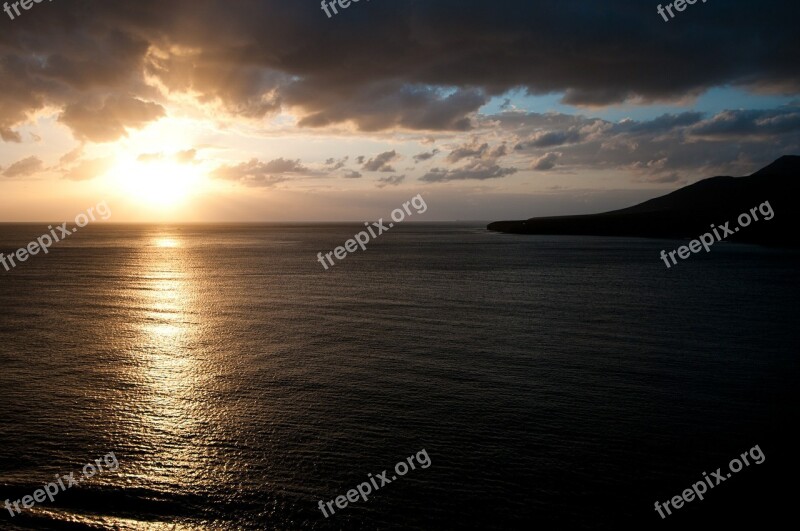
334 164
740 124
24 167
387 105
664 123
10 136
689 144
546 139
181 157
282 165
421 157
186 156
240 87
545 162
113 67
381 162
410 65
481 163
71 156
109 120
352 174
465 152
260 174
150 157
477 151
89 169
479 171
670 178
498 152
391 180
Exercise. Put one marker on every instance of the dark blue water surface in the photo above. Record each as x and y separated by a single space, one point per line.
555 382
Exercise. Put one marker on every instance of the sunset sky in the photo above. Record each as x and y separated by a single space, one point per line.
265 110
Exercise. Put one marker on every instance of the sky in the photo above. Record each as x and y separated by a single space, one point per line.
262 110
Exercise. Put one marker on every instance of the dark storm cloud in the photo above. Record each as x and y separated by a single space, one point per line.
379 106
411 64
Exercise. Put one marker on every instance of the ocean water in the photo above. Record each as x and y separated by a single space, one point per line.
554 382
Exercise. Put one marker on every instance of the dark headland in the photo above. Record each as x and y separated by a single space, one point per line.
689 211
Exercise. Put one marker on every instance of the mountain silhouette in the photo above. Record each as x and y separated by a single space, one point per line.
689 212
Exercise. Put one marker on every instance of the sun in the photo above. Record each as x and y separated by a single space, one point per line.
156 183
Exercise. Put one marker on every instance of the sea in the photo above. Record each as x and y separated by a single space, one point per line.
555 382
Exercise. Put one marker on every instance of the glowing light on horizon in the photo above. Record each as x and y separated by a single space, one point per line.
160 183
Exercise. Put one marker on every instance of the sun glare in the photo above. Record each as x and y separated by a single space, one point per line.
157 183
167 243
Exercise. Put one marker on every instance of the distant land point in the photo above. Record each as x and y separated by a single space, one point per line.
688 212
